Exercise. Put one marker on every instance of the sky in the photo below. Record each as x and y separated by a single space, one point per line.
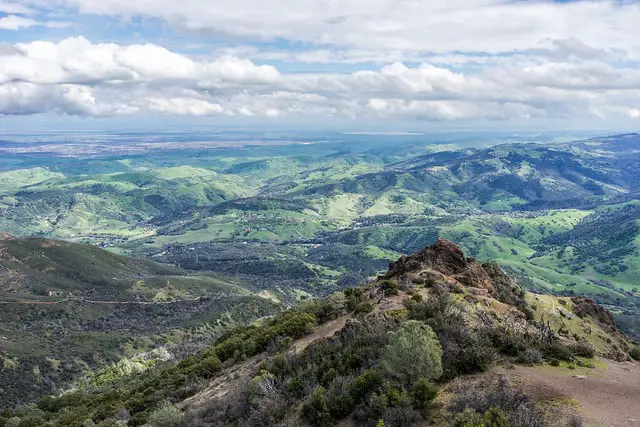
353 63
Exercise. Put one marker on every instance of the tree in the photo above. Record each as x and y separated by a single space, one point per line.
413 352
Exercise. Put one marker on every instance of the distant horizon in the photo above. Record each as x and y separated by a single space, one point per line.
68 124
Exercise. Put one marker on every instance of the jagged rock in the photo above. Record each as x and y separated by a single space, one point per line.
564 313
585 307
479 292
447 259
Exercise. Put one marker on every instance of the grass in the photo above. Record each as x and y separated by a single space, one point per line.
22 178
343 207
547 308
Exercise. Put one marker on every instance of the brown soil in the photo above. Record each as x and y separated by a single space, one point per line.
324 331
607 397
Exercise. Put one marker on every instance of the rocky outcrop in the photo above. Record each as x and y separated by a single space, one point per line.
585 307
445 259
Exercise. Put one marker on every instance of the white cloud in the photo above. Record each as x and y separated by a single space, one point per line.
78 77
391 26
15 23
14 8
184 106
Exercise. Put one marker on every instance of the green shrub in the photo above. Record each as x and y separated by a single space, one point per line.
463 350
249 341
500 404
13 422
389 287
557 351
396 394
296 386
584 349
354 296
423 393
413 352
326 309
416 297
365 384
494 417
438 310
509 343
635 353
316 410
530 356
33 421
279 366
340 401
378 405
166 415
363 308
357 302
205 368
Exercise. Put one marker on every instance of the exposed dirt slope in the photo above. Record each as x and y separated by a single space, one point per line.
607 396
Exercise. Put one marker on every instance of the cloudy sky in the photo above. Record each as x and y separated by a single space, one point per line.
457 62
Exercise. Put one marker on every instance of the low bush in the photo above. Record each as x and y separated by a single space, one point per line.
357 302
166 415
510 343
464 350
530 356
494 417
635 353
402 416
353 297
365 384
423 393
557 351
481 398
575 421
389 287
316 411
583 349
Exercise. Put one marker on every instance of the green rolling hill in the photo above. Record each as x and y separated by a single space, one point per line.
68 310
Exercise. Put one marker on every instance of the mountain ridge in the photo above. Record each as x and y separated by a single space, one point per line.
280 370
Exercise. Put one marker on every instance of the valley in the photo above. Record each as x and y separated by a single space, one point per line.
299 217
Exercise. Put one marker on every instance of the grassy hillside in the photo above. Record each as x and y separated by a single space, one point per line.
67 310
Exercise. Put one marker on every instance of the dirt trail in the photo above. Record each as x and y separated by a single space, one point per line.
30 302
395 302
609 397
324 331
234 377
27 302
